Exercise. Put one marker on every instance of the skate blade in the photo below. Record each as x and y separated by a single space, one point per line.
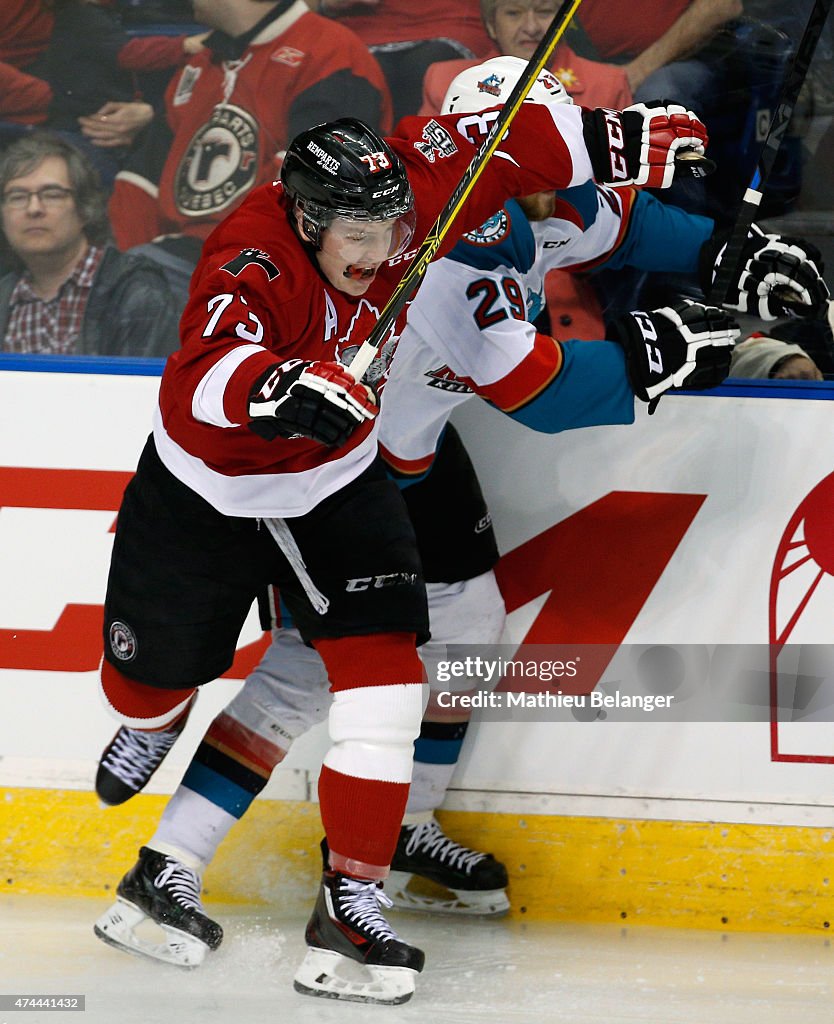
333 976
117 927
432 898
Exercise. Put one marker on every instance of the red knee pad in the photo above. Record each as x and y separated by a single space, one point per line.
141 706
380 659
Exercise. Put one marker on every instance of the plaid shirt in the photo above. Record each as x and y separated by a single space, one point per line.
51 327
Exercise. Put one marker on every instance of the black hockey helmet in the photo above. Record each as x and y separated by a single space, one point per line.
344 169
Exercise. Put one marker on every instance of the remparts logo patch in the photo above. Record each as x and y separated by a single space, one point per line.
220 164
123 641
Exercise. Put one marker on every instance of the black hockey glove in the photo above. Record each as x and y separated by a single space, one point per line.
683 346
779 276
321 401
637 146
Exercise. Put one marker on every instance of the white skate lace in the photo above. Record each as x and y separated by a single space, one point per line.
182 883
359 903
427 836
134 755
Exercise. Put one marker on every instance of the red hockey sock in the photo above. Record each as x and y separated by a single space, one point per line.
362 798
362 819
141 706
377 660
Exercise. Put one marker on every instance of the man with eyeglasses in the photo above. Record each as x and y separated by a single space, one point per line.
66 290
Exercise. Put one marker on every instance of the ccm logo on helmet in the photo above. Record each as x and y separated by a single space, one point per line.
390 579
616 144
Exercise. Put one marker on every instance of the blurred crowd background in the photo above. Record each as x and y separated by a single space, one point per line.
129 128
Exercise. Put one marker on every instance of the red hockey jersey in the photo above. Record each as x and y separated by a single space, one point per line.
252 308
227 122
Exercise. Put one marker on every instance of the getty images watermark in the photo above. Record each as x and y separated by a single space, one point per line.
612 682
530 671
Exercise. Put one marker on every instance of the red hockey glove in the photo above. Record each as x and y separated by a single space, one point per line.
637 146
683 346
321 401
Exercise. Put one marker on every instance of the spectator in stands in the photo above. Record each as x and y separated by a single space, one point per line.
71 292
91 67
763 356
516 28
407 36
91 58
706 56
657 43
270 69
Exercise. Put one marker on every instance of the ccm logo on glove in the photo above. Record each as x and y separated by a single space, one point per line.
637 146
616 144
317 400
687 345
649 332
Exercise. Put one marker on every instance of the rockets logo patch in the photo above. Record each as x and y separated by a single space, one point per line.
492 232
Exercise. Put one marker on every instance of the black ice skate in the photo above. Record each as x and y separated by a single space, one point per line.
131 758
354 953
431 872
161 889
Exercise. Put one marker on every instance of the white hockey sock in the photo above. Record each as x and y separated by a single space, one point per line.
193 826
429 783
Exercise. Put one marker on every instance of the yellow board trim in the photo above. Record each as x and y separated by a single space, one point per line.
676 874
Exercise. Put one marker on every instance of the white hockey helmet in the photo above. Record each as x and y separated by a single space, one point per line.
490 84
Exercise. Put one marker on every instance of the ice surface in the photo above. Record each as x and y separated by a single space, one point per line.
477 971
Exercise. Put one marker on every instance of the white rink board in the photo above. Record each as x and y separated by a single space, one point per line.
753 459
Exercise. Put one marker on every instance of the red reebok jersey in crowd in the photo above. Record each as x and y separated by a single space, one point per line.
253 308
227 121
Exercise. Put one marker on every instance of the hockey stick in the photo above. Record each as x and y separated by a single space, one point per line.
410 281
731 260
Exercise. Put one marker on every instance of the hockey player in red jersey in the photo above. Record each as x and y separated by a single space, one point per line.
262 467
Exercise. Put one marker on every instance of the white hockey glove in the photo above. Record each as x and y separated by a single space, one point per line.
321 401
779 276
637 146
683 346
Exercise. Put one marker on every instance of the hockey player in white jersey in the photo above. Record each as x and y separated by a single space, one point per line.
470 333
